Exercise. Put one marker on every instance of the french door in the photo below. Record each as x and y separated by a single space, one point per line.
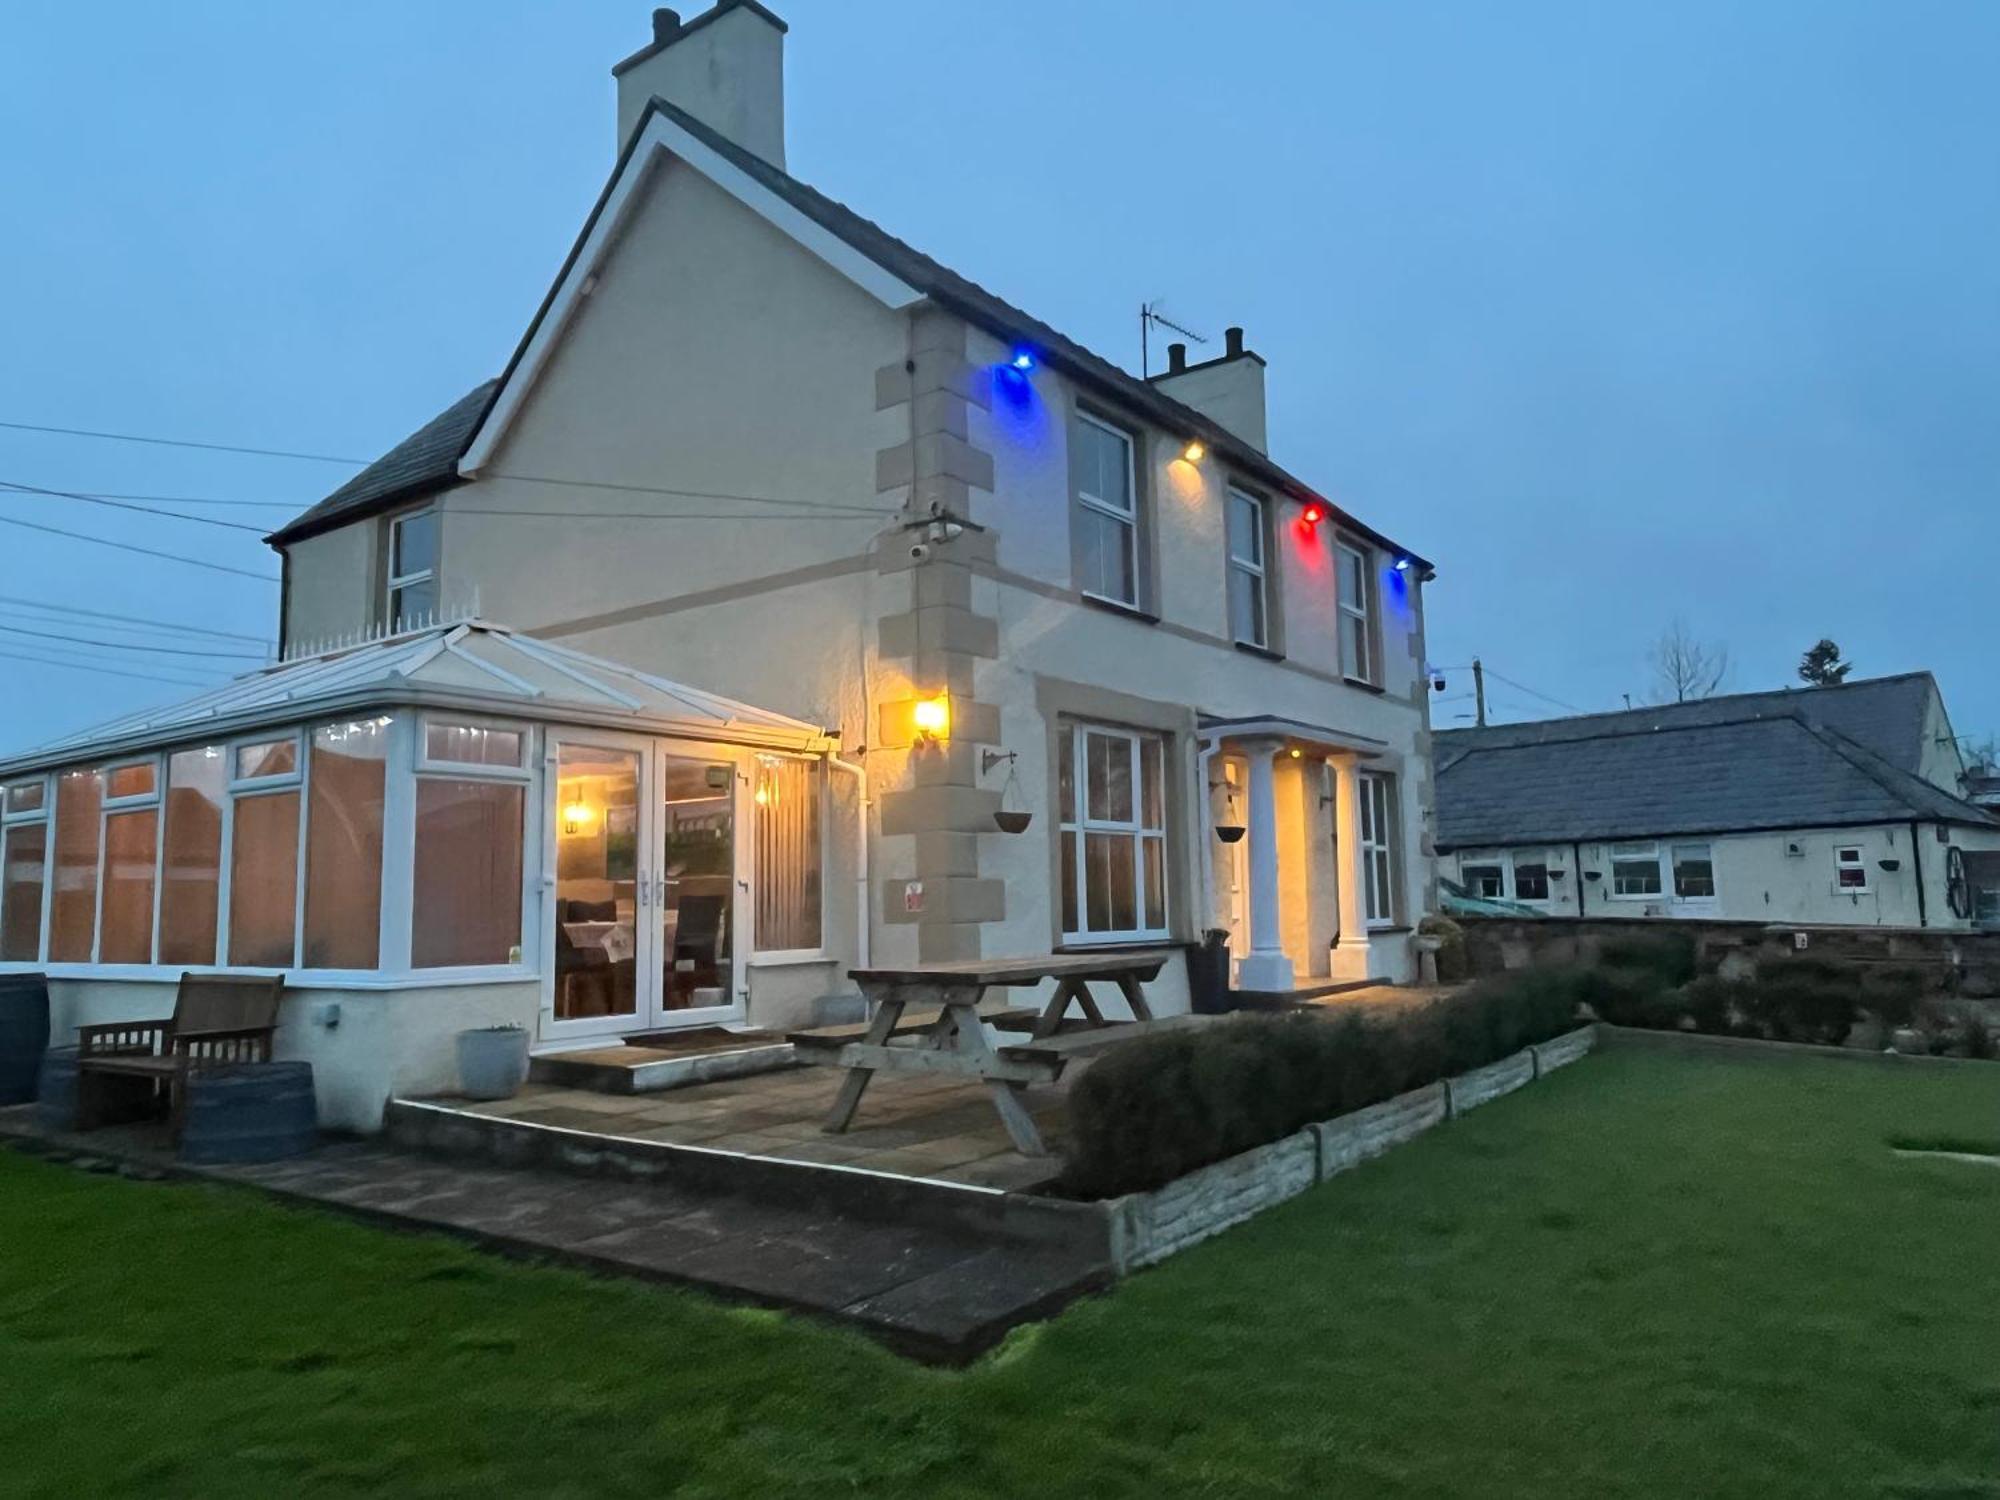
646 895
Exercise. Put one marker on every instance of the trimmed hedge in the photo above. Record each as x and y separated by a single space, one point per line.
1158 1108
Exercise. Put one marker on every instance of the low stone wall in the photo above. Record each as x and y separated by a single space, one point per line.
1146 1228
1954 963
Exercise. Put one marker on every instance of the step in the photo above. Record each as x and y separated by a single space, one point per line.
643 1070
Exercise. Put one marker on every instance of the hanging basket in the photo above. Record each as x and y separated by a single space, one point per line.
1229 833
1012 822
1011 819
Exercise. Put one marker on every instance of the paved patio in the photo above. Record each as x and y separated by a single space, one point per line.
942 1129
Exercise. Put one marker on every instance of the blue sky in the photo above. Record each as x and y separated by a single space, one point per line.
1620 313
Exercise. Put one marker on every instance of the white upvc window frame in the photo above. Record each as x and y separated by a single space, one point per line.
1251 573
399 859
241 788
1497 863
44 814
1375 830
394 582
108 807
423 763
778 956
1362 610
1631 851
1516 858
1081 825
1128 517
1859 862
1673 852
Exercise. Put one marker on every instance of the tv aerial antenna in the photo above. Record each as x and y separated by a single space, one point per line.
1150 314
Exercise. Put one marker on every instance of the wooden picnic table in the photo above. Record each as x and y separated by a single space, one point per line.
950 1035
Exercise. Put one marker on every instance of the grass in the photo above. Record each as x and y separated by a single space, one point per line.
1649 1275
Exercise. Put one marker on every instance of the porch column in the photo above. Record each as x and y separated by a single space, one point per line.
1351 951
1265 966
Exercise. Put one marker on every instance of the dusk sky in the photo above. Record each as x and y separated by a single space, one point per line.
1619 313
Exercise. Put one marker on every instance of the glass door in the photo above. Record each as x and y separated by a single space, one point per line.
696 907
600 891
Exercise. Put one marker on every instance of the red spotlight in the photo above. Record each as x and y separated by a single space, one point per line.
1313 513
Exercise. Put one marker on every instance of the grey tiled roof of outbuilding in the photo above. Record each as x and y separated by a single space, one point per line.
1770 772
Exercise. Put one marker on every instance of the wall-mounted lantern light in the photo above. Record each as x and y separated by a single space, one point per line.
1022 359
1194 452
931 717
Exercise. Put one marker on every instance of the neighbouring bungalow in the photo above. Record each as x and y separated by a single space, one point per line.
1836 805
1046 655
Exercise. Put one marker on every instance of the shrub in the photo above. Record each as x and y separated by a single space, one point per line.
1716 1005
1891 993
1627 996
1977 1036
1157 1108
1667 956
1802 1000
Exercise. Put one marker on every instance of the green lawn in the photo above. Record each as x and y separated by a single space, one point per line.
1650 1275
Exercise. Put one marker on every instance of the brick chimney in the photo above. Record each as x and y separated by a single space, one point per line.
1230 390
726 67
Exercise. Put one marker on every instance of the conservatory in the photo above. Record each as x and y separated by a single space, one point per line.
446 828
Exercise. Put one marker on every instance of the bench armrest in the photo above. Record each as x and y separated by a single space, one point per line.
124 1036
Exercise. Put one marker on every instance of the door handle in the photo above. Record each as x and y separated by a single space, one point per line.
645 889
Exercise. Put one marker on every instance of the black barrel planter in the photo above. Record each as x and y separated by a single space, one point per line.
24 1034
55 1090
250 1112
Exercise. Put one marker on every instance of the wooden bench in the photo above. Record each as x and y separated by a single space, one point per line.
1020 1018
218 1019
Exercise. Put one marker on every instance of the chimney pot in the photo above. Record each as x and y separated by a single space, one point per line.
1176 358
1233 341
665 23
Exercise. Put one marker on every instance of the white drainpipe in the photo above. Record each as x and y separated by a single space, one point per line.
861 902
1205 800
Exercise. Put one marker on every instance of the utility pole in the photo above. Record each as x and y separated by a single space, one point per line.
1478 691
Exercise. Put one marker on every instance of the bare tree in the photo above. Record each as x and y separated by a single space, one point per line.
1685 668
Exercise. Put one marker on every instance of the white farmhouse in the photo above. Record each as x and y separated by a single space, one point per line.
727 639
1819 805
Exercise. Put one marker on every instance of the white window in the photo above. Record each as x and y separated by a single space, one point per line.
1487 881
1356 581
1850 869
1635 871
1107 513
787 850
126 884
413 549
1694 872
1111 788
1248 593
1378 847
24 857
1531 874
466 893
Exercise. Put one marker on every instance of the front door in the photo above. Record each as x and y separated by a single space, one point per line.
644 905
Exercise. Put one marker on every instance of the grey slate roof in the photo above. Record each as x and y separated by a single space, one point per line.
1886 714
1770 771
941 284
424 461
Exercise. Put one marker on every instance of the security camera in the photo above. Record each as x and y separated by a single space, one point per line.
919 551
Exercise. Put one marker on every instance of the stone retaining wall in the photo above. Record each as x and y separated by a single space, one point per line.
1146 1228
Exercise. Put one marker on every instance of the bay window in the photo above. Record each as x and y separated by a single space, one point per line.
786 828
1111 789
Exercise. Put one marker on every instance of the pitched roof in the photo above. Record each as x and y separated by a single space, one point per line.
474 666
1888 715
938 282
424 461
1769 771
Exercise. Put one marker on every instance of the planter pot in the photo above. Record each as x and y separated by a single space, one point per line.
492 1062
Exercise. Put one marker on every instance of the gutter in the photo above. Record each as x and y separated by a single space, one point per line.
862 916
1917 869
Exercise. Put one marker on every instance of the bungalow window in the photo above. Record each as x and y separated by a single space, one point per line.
787 853
1531 875
413 550
1248 592
1378 847
1850 870
1488 882
24 854
1635 870
1694 872
1111 789
1355 578
1106 518
466 883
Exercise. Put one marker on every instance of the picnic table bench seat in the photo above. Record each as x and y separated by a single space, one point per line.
912 1022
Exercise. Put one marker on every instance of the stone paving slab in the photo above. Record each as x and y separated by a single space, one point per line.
933 1292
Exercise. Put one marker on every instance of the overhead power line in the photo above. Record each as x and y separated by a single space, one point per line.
80 665
144 510
74 640
99 614
1534 693
84 536
160 442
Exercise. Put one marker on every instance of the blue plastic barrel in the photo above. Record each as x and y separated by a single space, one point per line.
24 1034
250 1112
